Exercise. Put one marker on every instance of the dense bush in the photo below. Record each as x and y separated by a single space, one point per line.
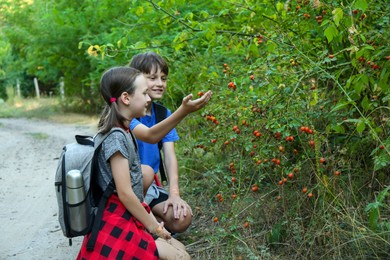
291 159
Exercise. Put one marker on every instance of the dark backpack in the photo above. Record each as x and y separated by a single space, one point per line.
78 219
161 114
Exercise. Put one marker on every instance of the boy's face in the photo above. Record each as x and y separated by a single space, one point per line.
157 83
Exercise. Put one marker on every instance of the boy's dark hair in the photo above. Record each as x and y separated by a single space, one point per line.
147 61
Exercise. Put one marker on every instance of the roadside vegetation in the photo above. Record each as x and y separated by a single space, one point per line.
290 160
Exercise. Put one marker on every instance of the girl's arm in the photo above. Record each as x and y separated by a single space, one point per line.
158 131
120 172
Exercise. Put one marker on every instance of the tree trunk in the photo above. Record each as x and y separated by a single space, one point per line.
18 88
62 89
36 87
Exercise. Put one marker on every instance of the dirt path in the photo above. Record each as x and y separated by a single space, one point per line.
29 227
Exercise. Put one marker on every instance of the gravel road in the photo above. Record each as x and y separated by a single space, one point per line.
29 151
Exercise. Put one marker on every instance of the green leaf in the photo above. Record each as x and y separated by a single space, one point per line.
338 129
253 50
314 101
361 4
366 104
383 82
361 126
383 194
271 46
331 32
139 11
337 15
373 214
204 14
139 45
340 106
280 6
210 34
360 82
381 161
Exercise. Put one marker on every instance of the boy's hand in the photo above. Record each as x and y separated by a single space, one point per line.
180 207
193 105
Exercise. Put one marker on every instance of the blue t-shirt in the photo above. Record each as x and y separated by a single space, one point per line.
149 153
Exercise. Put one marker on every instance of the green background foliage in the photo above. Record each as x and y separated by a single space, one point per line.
274 67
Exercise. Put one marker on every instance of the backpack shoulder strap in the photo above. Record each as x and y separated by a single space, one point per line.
109 190
160 114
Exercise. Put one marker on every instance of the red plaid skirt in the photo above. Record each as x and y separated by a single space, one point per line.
121 236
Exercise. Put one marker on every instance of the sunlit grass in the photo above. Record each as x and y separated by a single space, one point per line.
43 108
38 136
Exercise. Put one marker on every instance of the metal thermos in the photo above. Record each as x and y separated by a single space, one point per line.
76 195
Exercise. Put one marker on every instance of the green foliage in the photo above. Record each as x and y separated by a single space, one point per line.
300 87
373 211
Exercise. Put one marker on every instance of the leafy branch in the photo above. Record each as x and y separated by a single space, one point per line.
157 7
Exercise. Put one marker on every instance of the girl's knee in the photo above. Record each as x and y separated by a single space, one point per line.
171 250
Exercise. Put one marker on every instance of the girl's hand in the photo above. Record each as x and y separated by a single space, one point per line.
193 105
160 231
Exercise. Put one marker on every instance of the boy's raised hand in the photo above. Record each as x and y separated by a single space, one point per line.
193 105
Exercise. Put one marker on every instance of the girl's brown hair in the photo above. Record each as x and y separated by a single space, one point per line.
113 83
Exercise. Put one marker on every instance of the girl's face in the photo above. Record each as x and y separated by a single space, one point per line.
157 83
140 97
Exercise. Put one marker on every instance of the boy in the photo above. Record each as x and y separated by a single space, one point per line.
168 206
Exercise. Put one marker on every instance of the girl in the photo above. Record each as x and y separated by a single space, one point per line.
128 230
